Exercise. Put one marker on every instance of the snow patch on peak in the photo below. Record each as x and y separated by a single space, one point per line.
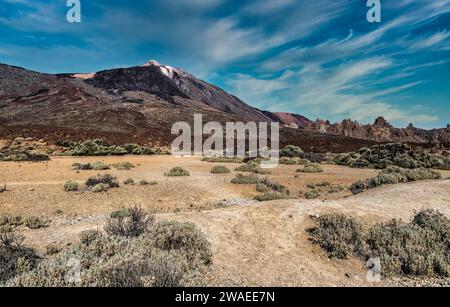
166 70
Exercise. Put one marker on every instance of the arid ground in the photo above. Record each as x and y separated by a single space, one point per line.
254 243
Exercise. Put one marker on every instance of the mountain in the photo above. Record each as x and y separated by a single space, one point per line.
140 104
382 131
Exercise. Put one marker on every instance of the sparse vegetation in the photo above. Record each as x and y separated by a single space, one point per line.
242 179
401 155
311 168
95 148
419 248
220 170
274 186
250 166
177 172
223 159
124 166
394 175
268 196
23 156
100 188
106 181
314 194
339 235
35 222
132 225
71 186
146 182
291 151
129 181
167 255
15 257
3 188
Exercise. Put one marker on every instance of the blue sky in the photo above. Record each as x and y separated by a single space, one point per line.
318 58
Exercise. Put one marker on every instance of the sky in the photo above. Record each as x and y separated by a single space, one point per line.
317 58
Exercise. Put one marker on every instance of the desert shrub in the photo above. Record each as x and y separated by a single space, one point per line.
35 222
120 213
291 151
314 194
71 186
250 166
288 161
95 148
144 182
268 196
100 188
394 175
242 179
417 248
385 155
15 258
89 236
262 188
124 166
311 168
136 149
52 249
11 220
220 170
339 235
108 180
185 237
177 172
336 189
3 188
23 156
111 261
223 159
133 225
262 171
128 181
274 186
100 166
82 166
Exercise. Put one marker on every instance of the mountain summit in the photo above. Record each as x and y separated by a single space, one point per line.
140 104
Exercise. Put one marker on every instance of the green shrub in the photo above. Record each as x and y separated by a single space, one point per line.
136 149
111 261
95 148
262 188
120 213
291 151
100 188
124 166
394 175
100 166
419 248
314 194
89 236
250 166
15 258
262 171
177 172
71 186
311 168
268 196
185 237
223 159
132 225
220 170
242 179
129 181
23 156
35 222
336 189
82 166
339 235
11 220
108 180
52 249
274 186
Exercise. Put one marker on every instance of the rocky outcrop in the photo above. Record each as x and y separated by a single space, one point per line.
382 131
